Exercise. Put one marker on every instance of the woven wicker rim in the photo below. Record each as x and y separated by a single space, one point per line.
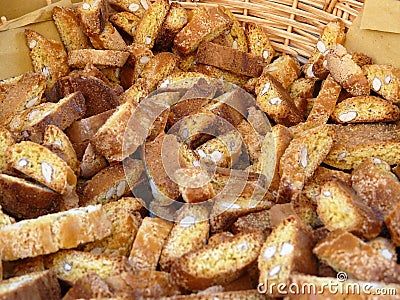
292 25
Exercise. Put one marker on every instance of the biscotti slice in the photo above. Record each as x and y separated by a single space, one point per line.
217 264
92 162
157 69
137 7
176 18
49 233
71 265
109 139
58 142
346 72
251 140
229 59
41 164
24 93
285 69
301 158
236 33
323 106
377 186
112 183
69 28
143 285
384 80
61 114
205 25
108 39
150 24
6 140
272 149
333 33
189 233
345 252
223 151
215 72
258 42
25 200
365 109
49 58
287 250
301 90
37 285
126 219
101 58
276 102
339 207
194 184
92 15
357 142
148 244
126 21
87 287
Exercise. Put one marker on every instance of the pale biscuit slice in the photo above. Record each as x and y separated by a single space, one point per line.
148 244
258 42
101 58
346 72
377 186
301 90
49 58
301 158
217 264
276 102
151 23
137 7
205 25
126 21
69 28
88 286
365 109
285 69
287 250
339 207
345 252
108 39
71 265
357 142
384 80
6 140
189 233
92 162
92 15
41 164
215 72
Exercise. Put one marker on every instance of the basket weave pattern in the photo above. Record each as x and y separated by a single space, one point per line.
292 25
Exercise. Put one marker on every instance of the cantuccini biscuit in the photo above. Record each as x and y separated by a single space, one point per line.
377 186
339 207
6 140
205 25
5 219
276 102
92 162
39 163
345 252
254 221
90 285
258 42
49 233
92 15
285 69
301 158
357 142
126 21
137 7
215 72
108 39
148 244
229 59
236 34
217 264
301 90
102 58
346 72
189 233
49 58
69 28
384 80
287 250
365 109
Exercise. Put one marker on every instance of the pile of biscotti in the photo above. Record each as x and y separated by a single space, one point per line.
130 170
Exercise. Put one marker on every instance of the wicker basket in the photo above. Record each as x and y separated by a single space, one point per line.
293 25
